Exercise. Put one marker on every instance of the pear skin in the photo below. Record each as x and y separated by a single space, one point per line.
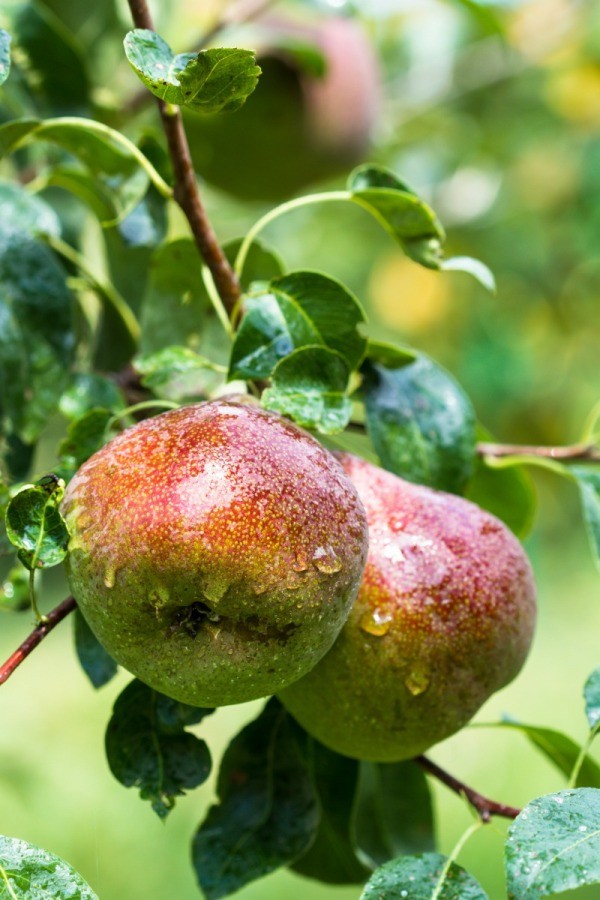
444 618
215 551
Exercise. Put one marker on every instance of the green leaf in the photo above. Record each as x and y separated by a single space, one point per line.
310 386
390 355
554 845
116 173
30 873
394 814
173 371
418 878
332 858
397 208
473 267
175 304
54 58
591 694
14 591
147 746
97 664
421 422
35 526
267 815
560 750
84 437
90 391
588 480
22 211
4 55
508 493
217 80
298 310
36 333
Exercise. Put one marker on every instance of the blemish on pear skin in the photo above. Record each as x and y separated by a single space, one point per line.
222 504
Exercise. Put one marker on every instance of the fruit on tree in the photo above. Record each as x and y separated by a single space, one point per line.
215 550
444 617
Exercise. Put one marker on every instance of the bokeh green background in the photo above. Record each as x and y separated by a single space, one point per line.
492 111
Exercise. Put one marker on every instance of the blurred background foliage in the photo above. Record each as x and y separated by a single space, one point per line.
491 111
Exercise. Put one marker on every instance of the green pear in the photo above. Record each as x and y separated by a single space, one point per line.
215 550
444 618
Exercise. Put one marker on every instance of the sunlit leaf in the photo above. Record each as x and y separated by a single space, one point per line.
215 80
422 878
35 526
588 480
298 310
554 845
591 693
310 386
30 873
23 211
4 55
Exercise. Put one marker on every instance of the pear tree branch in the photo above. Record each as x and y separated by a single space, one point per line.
36 637
186 189
484 807
571 453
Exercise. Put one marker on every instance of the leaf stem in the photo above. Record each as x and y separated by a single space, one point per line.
137 407
582 755
36 637
485 807
186 191
454 856
588 452
39 618
273 214
107 291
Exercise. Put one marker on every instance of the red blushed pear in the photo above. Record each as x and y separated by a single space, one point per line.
443 619
215 551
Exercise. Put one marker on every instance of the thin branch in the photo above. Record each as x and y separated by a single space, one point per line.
572 453
485 807
186 189
36 637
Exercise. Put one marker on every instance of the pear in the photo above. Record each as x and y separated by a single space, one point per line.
443 619
215 550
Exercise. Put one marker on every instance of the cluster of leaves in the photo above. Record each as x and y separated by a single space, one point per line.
97 348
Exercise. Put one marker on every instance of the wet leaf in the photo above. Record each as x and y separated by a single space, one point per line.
421 422
84 437
418 878
591 694
14 591
554 845
267 815
4 55
30 873
90 391
148 748
588 480
22 211
216 80
298 310
310 386
35 526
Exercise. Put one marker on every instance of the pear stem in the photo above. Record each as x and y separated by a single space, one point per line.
36 637
185 189
484 807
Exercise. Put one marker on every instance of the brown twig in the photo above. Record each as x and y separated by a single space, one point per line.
36 637
572 453
485 807
186 190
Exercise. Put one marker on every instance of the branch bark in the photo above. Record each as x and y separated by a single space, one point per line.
36 637
572 453
485 807
186 189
